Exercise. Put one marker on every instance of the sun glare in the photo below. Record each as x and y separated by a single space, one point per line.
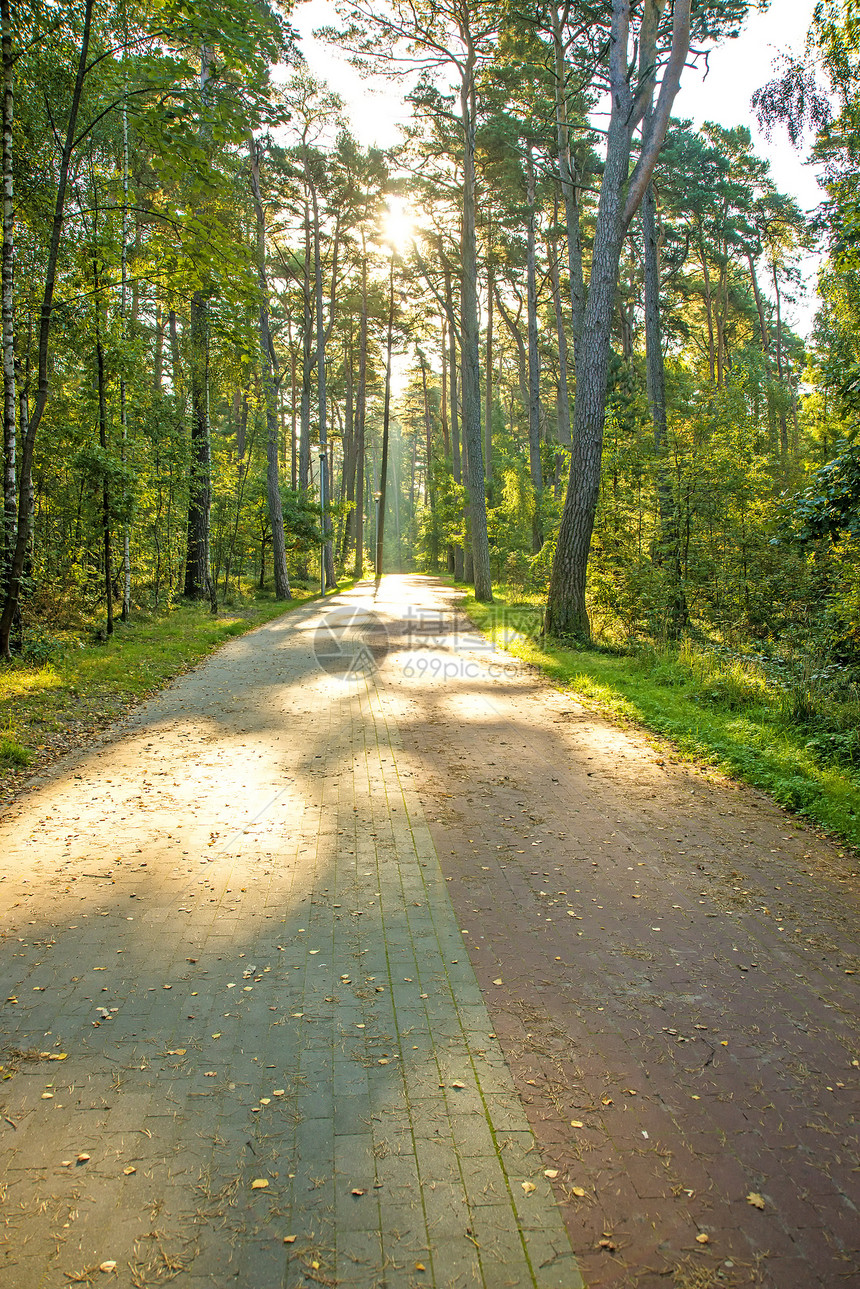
398 225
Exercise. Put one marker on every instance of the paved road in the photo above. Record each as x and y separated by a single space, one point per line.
373 915
243 1042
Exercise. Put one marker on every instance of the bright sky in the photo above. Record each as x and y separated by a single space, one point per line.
736 70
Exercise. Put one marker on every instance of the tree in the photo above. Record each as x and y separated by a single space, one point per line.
631 84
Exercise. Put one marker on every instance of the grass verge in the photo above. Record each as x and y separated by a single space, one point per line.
51 707
721 715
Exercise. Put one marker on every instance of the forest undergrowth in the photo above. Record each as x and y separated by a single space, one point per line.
783 727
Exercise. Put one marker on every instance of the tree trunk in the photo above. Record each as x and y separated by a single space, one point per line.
567 178
488 383
273 479
386 413
561 340
783 426
360 412
102 404
433 544
471 359
307 362
175 359
669 547
535 466
446 441
158 353
321 385
123 411
197 577
10 506
455 558
348 478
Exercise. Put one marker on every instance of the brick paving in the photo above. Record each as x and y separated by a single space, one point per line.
243 1042
670 962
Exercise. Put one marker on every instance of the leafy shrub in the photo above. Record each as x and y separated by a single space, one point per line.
39 647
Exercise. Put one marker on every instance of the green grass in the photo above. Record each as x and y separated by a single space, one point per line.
723 714
54 706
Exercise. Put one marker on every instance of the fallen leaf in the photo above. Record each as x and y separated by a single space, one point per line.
83 1158
606 1101
498 982
66 1163
176 1051
606 1244
107 1266
289 1239
457 1084
577 1123
551 1173
755 1199
210 1074
578 1192
419 1266
315 1266
259 1184
528 1187
128 1171
358 1190
278 1092
47 1096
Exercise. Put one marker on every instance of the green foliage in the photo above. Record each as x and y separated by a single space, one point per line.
830 505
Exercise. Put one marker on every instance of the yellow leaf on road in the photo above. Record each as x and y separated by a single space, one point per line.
259 1184
755 1199
529 1187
